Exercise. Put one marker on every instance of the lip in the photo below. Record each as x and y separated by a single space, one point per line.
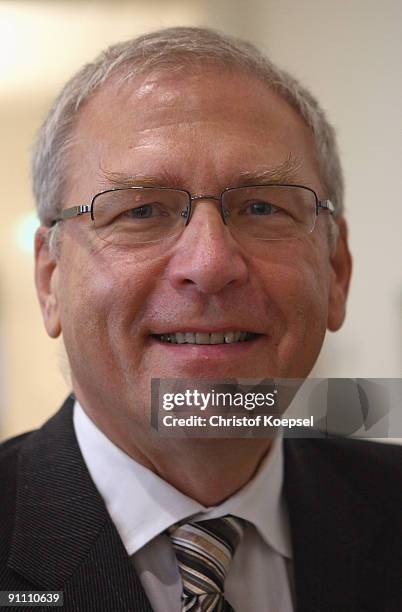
213 361
203 330
206 350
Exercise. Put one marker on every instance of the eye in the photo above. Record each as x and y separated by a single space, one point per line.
147 211
259 207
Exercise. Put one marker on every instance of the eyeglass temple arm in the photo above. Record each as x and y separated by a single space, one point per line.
326 205
74 211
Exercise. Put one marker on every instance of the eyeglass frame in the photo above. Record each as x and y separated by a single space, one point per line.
81 209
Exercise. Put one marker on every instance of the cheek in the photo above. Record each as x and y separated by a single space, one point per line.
301 302
103 298
298 270
306 287
296 283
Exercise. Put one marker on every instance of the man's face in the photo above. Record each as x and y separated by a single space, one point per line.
201 133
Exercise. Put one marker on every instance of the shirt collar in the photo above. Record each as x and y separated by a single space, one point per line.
142 505
262 503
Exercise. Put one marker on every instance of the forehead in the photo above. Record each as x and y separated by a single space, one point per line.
201 122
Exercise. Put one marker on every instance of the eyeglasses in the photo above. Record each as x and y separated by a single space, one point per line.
138 215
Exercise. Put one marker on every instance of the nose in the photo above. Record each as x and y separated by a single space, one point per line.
207 257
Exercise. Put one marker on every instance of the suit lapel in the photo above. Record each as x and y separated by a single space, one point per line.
332 531
63 537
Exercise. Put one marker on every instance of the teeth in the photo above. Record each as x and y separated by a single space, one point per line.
206 338
201 338
232 337
217 338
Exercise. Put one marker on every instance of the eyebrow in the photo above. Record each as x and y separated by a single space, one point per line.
122 179
281 173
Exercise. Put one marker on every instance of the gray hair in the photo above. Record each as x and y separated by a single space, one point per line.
169 49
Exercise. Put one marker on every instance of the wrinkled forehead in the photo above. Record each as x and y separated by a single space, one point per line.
209 116
203 93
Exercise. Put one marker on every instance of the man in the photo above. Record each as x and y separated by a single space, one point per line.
190 196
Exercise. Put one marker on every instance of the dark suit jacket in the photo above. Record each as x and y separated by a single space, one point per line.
344 500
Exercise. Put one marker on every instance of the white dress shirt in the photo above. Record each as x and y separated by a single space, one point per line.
142 506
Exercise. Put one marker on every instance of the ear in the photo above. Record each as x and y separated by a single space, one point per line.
46 281
341 269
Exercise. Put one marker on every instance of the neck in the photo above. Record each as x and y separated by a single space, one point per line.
209 470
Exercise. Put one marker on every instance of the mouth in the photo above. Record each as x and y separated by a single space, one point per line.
205 338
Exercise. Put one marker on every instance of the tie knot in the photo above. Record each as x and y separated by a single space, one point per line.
204 551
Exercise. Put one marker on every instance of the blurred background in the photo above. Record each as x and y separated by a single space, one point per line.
348 52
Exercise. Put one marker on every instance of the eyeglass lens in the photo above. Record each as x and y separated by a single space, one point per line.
149 214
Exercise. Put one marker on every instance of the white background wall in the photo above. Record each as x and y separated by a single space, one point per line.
348 52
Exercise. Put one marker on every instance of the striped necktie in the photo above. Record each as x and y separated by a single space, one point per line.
204 551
